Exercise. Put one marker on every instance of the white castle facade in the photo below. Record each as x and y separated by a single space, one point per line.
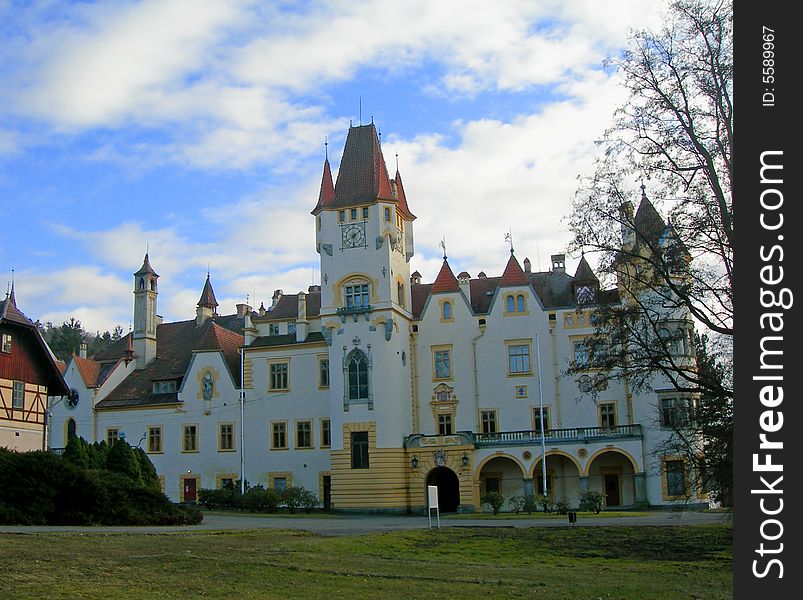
373 385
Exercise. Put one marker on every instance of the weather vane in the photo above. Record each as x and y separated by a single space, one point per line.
443 245
509 239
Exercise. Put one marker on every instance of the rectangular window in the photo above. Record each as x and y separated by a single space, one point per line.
303 434
675 478
518 358
226 437
291 327
6 343
326 433
190 439
443 364
18 395
359 450
387 214
280 484
353 214
581 354
155 439
323 373
356 296
537 419
112 435
488 419
341 215
226 482
273 329
164 387
279 438
607 415
365 213
445 424
278 376
676 412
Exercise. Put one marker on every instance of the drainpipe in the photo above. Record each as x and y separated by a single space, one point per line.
476 378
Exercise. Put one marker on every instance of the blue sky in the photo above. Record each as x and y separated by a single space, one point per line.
195 129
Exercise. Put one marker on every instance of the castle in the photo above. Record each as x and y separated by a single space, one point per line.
371 386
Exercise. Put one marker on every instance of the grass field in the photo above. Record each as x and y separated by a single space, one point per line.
621 563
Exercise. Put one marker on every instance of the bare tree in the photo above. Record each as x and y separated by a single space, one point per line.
673 275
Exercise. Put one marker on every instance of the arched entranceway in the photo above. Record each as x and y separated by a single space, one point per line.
563 479
611 473
448 488
504 475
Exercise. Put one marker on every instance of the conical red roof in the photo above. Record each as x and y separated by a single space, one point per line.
326 197
403 208
445 281
514 274
208 296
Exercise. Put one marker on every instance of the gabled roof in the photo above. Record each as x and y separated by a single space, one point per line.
287 308
207 295
9 311
175 345
88 369
513 274
13 317
445 281
554 289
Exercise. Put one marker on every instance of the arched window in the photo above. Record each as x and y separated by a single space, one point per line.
142 283
400 294
511 304
71 427
520 303
358 375
447 311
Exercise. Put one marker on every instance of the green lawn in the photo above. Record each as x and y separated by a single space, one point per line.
639 563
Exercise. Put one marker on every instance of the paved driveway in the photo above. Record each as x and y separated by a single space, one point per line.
358 524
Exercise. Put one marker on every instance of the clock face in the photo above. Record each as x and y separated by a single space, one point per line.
353 235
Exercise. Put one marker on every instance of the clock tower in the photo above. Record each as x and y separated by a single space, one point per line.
364 235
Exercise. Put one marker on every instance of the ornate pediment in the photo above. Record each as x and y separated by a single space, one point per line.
443 394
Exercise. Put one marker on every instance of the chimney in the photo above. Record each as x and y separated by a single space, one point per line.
528 267
277 295
415 278
302 325
249 331
82 350
558 263
262 310
464 279
242 310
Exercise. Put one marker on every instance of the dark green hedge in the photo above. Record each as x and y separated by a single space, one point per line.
40 488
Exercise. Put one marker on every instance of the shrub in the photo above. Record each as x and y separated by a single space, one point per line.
493 499
592 501
258 499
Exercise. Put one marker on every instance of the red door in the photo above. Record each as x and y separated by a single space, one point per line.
190 490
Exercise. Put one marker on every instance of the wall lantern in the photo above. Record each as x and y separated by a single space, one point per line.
465 459
414 462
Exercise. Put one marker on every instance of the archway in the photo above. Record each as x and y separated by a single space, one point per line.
611 473
448 488
563 478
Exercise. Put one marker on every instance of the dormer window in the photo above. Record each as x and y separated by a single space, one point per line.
273 329
164 387
447 311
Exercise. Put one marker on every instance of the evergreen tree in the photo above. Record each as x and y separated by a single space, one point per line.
122 459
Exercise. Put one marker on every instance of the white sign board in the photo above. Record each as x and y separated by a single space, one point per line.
432 494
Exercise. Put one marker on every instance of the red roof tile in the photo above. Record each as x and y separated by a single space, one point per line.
88 369
326 197
513 274
403 208
363 174
445 281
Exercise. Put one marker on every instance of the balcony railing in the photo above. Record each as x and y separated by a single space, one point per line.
557 436
354 311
